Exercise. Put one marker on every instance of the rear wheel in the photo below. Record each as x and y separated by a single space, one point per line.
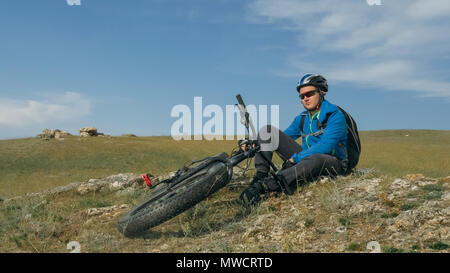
166 203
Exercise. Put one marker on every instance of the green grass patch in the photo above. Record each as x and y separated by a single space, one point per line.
93 201
309 221
344 221
354 247
434 195
392 249
409 206
432 191
414 249
433 187
439 246
389 215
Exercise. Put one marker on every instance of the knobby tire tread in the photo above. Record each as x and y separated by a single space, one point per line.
182 197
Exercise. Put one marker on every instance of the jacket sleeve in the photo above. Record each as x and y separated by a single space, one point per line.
293 131
335 131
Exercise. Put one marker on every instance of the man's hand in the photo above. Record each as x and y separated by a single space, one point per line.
243 144
288 163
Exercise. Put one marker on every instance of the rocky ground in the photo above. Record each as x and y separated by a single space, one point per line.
364 212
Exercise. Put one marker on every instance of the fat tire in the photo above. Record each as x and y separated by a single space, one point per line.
178 199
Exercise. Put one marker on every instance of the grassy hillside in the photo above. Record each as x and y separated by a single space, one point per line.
403 213
399 152
343 215
32 164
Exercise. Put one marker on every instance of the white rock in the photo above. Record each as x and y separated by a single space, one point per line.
164 246
87 188
446 196
341 229
400 184
116 185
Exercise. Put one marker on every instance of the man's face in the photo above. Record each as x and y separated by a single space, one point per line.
310 96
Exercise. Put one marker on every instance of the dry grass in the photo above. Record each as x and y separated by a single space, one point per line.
31 165
399 152
219 224
318 214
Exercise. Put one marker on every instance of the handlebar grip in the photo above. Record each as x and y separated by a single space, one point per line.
239 98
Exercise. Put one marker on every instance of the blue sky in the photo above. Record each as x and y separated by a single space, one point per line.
121 66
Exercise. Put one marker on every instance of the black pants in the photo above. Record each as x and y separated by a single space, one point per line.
307 170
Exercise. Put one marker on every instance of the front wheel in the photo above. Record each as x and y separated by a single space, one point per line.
167 203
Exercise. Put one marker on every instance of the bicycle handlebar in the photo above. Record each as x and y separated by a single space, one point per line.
246 120
239 98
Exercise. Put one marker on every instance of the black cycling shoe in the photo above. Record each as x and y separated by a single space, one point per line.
259 185
252 195
258 177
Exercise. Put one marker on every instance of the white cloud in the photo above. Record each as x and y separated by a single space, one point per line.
59 108
391 75
351 41
429 9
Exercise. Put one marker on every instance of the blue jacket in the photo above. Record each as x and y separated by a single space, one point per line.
326 143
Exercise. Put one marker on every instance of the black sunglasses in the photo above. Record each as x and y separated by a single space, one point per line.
309 94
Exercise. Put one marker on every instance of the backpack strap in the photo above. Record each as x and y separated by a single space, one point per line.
302 123
323 124
319 125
